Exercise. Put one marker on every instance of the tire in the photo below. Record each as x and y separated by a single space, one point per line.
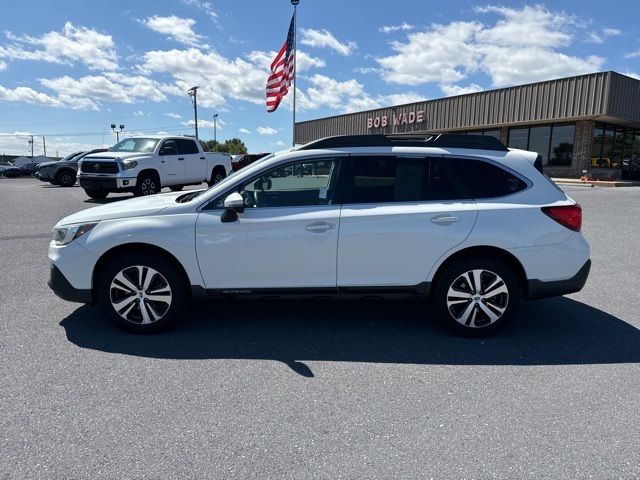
96 194
176 188
66 178
147 184
132 308
53 182
471 312
216 175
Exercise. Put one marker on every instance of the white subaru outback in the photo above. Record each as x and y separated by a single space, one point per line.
460 220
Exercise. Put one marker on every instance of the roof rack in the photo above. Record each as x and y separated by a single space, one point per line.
443 140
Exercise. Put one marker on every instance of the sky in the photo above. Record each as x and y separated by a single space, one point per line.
71 68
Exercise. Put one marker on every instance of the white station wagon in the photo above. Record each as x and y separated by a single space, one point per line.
468 224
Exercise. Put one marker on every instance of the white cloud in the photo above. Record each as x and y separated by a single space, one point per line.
595 37
3 66
451 90
177 28
404 26
402 98
324 38
279 143
94 49
110 87
267 131
138 113
244 130
218 77
365 70
33 97
521 46
206 124
204 6
173 115
443 54
635 54
632 74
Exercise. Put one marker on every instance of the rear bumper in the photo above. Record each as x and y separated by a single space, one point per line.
63 288
540 289
111 184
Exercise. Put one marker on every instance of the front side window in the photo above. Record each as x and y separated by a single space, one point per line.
139 145
299 184
169 147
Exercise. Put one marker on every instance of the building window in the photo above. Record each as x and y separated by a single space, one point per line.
519 138
553 142
561 152
539 139
492 133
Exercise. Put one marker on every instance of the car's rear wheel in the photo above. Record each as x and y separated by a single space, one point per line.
142 292
96 194
66 179
147 184
477 296
217 175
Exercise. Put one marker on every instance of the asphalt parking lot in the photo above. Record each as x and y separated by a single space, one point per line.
318 389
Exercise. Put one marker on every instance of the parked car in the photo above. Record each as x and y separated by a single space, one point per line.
144 165
242 160
29 168
63 172
10 171
465 222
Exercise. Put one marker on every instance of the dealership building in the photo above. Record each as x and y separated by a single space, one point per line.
584 125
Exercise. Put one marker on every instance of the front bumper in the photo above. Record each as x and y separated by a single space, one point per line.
63 288
111 184
43 176
539 289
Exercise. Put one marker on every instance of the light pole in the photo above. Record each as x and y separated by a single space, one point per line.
117 132
215 127
193 93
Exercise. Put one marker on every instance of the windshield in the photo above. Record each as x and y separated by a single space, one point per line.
140 145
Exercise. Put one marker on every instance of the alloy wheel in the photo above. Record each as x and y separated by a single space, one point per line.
148 187
140 294
477 298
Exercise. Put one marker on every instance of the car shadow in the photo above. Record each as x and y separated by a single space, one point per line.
104 201
558 331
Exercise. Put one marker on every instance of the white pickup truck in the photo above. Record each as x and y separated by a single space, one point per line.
143 165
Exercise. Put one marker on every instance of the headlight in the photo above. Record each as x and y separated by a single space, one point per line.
64 235
127 164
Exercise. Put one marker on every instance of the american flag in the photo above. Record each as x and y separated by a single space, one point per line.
282 71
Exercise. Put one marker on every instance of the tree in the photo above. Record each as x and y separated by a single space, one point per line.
234 146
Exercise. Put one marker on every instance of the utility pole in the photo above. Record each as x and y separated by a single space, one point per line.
117 132
215 127
44 146
31 142
193 93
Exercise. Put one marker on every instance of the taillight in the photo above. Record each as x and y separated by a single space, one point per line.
569 216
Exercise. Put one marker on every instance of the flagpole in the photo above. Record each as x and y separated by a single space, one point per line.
295 67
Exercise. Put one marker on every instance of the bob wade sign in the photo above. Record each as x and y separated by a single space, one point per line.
397 119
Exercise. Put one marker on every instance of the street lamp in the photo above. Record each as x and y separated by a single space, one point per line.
215 127
117 132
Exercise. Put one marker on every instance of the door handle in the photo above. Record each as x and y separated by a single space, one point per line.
180 158
445 219
319 227
203 158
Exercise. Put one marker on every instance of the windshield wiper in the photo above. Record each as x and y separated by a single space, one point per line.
187 197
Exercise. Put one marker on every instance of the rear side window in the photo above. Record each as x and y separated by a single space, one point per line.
187 147
483 179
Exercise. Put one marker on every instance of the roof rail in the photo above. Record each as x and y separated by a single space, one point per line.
443 140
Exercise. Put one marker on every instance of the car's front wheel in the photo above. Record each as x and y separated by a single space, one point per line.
66 179
147 184
141 292
477 296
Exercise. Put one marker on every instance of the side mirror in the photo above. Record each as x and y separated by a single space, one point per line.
235 202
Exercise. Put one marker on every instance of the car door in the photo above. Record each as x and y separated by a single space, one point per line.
171 163
286 238
399 215
195 163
